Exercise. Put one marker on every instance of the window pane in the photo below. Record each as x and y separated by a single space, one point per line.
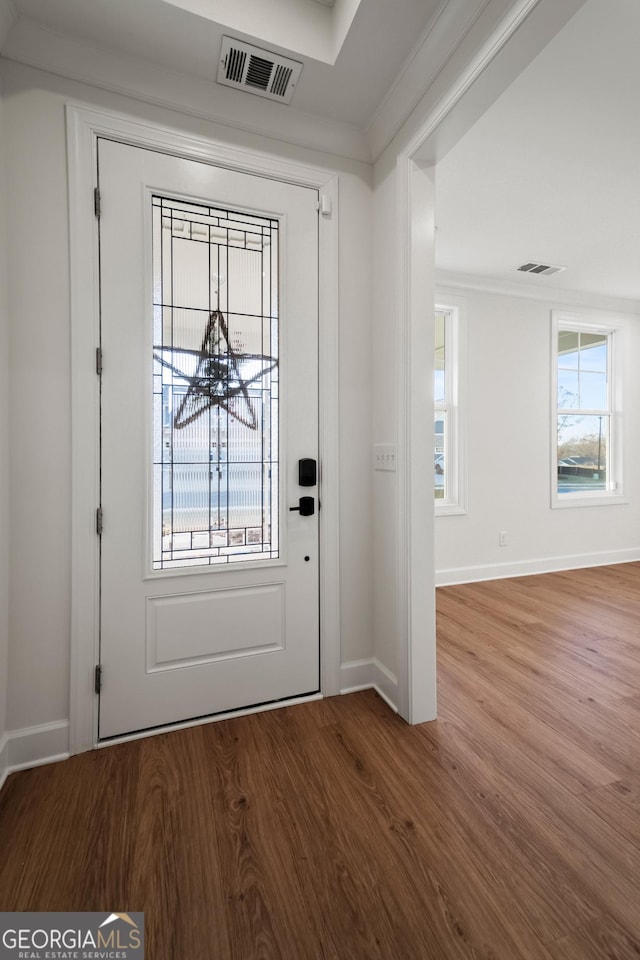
582 370
568 389
593 352
439 455
439 384
593 391
568 347
583 446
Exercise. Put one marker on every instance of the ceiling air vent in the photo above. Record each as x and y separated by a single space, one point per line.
540 269
257 71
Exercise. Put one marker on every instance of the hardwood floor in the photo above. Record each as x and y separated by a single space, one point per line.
508 829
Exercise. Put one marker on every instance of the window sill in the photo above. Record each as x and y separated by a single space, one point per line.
449 510
607 500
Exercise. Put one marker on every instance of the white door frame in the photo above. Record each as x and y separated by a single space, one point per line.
84 126
523 30
416 648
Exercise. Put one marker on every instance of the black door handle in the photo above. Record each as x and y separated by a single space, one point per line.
306 506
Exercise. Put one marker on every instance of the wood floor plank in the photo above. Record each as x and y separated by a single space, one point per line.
558 664
509 829
619 805
569 667
336 855
454 828
70 825
602 940
598 862
605 727
566 760
173 850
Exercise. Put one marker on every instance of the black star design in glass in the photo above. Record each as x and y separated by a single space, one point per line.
218 380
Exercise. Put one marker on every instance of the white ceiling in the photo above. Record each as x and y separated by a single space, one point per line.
551 172
380 38
304 27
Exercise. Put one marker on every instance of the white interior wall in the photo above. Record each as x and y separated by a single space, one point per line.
4 458
37 185
40 380
502 40
509 449
459 91
404 633
385 413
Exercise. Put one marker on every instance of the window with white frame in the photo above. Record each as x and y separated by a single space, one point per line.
585 449
448 487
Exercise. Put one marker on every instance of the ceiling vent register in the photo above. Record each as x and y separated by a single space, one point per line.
257 71
540 269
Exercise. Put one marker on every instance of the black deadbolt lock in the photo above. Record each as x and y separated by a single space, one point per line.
307 473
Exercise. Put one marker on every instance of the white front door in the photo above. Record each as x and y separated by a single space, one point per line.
209 308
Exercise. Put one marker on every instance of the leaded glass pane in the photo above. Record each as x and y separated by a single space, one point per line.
215 385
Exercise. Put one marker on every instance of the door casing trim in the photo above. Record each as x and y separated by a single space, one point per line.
84 126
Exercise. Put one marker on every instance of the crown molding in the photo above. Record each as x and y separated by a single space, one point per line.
449 26
468 282
8 16
37 46
455 49
467 58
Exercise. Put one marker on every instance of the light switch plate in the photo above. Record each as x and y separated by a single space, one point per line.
384 456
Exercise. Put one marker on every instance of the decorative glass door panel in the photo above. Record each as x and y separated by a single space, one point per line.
195 616
215 385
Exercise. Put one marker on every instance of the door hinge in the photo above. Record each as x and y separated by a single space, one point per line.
99 361
97 680
99 521
97 208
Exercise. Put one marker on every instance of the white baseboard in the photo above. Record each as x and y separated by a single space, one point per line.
49 742
385 683
33 747
523 568
4 759
356 675
369 674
